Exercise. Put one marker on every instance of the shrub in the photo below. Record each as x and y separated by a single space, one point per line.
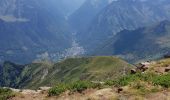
138 85
80 86
126 80
141 87
163 80
110 83
147 76
6 93
60 88
97 85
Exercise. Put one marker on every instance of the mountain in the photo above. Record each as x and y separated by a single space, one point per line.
69 6
9 73
31 28
124 14
143 43
73 69
83 16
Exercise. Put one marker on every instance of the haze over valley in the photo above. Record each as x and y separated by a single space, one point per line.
84 49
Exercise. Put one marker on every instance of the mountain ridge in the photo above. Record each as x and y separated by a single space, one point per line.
143 43
70 70
30 28
123 14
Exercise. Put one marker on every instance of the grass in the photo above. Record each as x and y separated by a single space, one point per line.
6 93
141 83
126 80
86 68
163 80
162 63
60 88
70 70
78 86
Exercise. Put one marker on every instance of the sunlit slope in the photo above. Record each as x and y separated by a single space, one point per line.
72 69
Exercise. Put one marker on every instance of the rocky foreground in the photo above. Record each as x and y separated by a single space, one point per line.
102 94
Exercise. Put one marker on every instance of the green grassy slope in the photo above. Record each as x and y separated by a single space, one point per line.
91 68
73 69
5 93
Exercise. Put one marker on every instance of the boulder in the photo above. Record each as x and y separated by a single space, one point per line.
167 69
119 90
142 67
133 71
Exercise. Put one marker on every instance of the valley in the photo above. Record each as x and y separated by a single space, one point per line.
97 24
84 50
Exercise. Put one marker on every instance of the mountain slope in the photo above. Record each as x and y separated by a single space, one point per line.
147 42
73 69
9 74
81 19
124 14
69 6
29 28
149 82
